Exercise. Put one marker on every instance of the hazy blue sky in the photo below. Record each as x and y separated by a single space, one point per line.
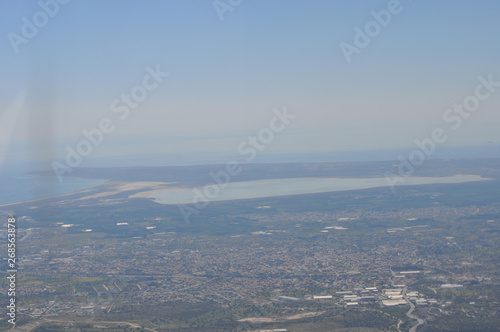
227 76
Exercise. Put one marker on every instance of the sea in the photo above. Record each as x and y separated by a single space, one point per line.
20 184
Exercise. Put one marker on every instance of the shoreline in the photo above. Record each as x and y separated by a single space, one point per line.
286 188
57 195
153 189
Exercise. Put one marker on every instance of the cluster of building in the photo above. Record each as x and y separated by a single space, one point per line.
166 266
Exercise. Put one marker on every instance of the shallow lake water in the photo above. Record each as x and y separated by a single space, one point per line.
292 186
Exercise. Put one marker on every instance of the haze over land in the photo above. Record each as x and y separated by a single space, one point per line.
250 165
323 261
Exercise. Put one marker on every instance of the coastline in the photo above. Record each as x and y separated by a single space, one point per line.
286 187
105 182
159 191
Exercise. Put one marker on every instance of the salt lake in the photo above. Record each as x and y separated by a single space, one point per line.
290 186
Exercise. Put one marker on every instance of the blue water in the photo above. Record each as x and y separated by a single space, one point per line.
16 186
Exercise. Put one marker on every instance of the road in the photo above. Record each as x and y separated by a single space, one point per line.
409 313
